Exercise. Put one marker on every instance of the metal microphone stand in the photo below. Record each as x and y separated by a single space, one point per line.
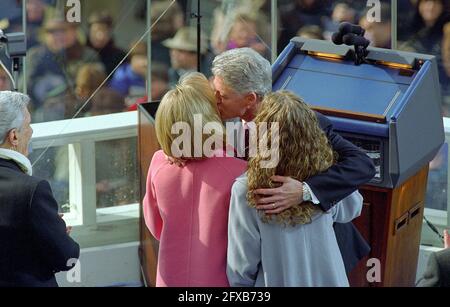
199 35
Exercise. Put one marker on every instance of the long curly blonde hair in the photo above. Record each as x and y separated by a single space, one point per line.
304 151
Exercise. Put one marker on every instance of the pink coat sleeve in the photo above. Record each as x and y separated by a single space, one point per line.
152 215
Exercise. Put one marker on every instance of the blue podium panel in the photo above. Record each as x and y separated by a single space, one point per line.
342 92
389 106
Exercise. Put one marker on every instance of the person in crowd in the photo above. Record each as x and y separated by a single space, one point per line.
225 17
297 14
437 273
101 40
186 208
89 85
37 12
35 240
378 32
296 247
445 75
130 79
311 32
183 53
57 62
242 78
160 85
342 12
427 28
247 31
167 26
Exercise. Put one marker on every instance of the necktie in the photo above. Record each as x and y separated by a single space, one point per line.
246 142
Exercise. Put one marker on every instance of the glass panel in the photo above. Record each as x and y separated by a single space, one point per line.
53 167
116 173
70 66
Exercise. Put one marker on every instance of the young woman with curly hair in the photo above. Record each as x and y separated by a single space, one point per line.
298 246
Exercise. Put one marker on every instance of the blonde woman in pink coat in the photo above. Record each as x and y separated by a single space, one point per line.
186 208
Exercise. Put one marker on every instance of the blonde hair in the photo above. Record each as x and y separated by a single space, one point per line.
304 152
192 96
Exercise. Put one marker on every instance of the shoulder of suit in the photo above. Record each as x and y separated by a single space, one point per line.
443 258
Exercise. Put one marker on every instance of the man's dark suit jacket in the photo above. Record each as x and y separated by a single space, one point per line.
34 244
353 169
437 273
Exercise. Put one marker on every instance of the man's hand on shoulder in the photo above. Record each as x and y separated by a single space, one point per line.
275 201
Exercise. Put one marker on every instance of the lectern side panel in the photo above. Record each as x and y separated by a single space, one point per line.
420 130
405 224
148 145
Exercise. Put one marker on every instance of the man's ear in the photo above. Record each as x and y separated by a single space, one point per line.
252 100
12 137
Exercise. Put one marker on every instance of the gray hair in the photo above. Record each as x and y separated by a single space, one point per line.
244 70
12 114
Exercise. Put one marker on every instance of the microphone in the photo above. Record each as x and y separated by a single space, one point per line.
355 40
346 28
337 38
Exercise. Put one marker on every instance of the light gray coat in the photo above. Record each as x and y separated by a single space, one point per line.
263 254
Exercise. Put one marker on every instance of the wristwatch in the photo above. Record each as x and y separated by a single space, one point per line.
306 193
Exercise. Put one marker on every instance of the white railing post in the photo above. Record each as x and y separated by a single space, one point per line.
82 181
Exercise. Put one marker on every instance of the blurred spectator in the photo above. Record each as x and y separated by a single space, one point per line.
160 81
37 12
56 63
342 12
130 79
101 40
445 79
165 28
5 82
299 13
246 32
250 16
405 16
160 85
428 35
105 100
427 26
60 103
379 33
312 32
183 53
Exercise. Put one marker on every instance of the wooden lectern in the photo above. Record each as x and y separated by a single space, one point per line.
391 222
147 146
380 106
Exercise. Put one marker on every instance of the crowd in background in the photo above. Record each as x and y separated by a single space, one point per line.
71 60
102 59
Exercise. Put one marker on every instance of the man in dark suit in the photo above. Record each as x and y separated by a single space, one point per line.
437 273
34 241
241 79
